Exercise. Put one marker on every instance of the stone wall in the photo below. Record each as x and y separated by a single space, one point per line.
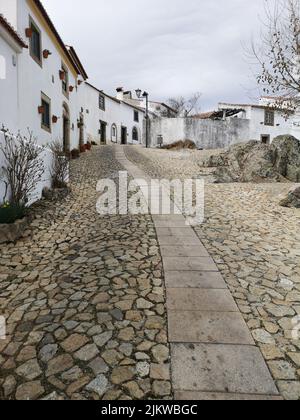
207 134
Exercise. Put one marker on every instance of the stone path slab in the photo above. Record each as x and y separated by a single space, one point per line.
220 368
194 280
208 327
212 351
215 396
200 300
183 251
189 264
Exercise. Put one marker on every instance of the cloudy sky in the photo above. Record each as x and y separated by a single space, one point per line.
168 47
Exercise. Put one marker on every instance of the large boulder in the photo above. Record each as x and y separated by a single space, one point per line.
287 157
292 200
256 162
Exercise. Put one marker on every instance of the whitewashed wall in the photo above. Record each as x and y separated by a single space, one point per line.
8 85
258 128
207 134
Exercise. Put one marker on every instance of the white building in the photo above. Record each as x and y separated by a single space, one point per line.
265 122
156 109
110 120
48 79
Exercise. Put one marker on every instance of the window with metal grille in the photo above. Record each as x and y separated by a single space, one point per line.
269 117
102 102
136 116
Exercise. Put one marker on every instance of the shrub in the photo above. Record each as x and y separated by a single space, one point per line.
82 149
23 168
178 145
60 165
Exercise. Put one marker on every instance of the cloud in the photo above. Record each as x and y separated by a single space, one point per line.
169 47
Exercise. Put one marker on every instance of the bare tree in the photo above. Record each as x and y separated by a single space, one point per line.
278 54
23 166
185 107
60 165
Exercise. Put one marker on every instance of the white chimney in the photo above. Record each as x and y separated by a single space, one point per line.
120 94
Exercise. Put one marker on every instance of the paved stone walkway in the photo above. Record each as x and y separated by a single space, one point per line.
213 355
84 300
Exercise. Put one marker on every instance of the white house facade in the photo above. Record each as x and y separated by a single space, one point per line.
47 78
265 122
109 120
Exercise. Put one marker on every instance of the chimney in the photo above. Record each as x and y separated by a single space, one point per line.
120 94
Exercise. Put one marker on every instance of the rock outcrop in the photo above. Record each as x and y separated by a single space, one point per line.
257 162
292 200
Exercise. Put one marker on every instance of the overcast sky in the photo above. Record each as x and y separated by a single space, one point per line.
168 47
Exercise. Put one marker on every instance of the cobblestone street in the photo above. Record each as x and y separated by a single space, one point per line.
84 301
256 245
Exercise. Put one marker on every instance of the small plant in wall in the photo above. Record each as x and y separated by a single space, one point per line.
22 170
46 54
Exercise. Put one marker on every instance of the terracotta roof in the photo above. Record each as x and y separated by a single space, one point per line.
16 37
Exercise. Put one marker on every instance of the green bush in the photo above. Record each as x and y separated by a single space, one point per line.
9 213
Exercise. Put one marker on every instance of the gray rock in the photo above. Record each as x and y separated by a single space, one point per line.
98 385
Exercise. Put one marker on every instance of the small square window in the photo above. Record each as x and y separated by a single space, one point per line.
46 114
136 116
102 102
35 43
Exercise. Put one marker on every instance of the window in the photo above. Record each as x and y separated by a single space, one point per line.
46 114
136 116
65 81
269 118
114 133
35 43
135 134
102 102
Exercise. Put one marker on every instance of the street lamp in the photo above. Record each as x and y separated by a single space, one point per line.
145 95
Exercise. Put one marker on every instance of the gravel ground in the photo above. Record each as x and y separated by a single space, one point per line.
256 245
84 300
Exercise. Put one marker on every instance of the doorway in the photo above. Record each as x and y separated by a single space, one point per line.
103 126
265 139
124 135
81 131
